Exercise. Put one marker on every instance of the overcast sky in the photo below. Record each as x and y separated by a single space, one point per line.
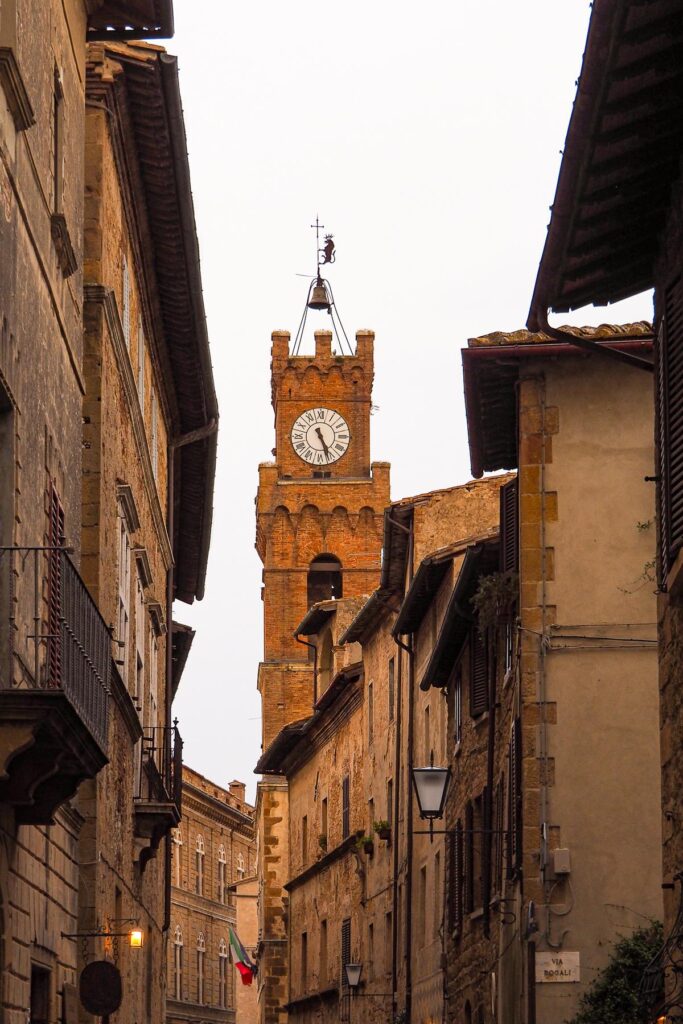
427 138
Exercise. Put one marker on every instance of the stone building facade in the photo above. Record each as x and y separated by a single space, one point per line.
80 693
573 273
318 533
363 887
576 705
213 851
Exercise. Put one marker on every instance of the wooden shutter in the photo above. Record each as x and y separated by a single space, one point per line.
469 859
455 880
54 623
345 949
479 683
498 825
509 547
514 843
346 824
669 370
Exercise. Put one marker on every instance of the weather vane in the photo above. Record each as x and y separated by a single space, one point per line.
327 251
320 291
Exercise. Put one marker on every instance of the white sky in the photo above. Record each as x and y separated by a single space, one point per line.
428 140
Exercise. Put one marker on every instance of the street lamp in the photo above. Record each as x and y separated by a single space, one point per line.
353 973
431 787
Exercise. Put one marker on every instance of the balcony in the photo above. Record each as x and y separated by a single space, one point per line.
55 660
158 789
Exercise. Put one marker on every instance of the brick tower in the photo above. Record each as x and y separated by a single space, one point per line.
319 514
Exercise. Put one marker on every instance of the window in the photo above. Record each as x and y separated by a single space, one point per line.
371 713
388 942
345 949
178 962
508 527
437 894
221 873
371 815
422 906
140 637
201 952
304 838
455 882
153 675
371 950
223 974
39 1012
457 710
323 818
324 579
123 626
199 866
125 301
154 440
391 689
323 954
141 366
177 851
240 866
346 815
497 836
509 646
304 961
479 690
474 878
390 800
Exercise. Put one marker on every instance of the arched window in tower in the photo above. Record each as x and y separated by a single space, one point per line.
223 974
240 865
199 864
177 852
178 962
201 952
324 579
221 873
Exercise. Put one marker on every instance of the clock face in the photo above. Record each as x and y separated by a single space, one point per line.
320 436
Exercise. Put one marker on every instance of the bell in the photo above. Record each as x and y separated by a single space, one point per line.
318 298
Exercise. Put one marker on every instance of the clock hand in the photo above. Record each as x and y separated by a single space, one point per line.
322 440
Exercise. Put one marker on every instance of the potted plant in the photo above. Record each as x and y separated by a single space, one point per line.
365 844
383 829
322 842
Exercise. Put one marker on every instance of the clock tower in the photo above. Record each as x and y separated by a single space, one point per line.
319 509
319 519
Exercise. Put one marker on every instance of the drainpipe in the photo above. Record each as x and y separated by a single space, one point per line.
409 648
173 445
488 802
314 648
398 697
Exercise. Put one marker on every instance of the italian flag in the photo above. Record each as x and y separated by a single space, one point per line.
241 960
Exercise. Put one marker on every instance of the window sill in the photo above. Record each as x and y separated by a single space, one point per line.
66 257
458 746
508 677
480 719
476 915
15 90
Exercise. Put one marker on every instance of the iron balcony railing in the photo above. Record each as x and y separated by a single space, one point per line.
52 636
160 777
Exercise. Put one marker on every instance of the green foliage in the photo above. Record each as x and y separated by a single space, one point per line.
614 996
381 826
494 597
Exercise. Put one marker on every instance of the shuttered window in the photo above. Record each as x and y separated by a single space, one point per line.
469 859
346 809
509 548
514 835
345 949
497 837
669 369
455 881
54 625
479 688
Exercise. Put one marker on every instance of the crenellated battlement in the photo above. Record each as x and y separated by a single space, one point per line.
312 370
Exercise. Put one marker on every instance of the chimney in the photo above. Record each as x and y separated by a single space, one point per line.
237 789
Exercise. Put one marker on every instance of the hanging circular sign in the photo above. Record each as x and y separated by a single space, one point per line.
99 987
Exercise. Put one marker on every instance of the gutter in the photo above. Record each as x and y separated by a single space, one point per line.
538 321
